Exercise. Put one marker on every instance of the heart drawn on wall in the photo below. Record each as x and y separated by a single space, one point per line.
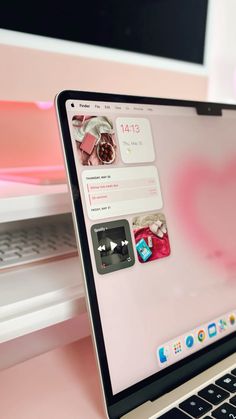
205 205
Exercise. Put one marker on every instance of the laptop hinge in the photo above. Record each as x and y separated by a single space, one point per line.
170 399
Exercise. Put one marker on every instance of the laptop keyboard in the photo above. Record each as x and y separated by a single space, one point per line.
217 400
37 243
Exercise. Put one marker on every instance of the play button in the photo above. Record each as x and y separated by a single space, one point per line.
113 245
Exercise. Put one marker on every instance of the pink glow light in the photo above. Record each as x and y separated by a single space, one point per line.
44 105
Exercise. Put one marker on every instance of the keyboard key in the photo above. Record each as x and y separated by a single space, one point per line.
18 238
4 237
225 411
195 406
18 243
5 243
35 244
213 394
233 400
10 258
174 414
45 248
28 252
8 252
4 248
228 382
27 248
234 371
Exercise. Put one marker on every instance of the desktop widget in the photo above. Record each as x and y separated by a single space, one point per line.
112 246
95 140
135 140
192 341
121 191
151 237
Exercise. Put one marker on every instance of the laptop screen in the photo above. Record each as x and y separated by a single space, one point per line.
158 190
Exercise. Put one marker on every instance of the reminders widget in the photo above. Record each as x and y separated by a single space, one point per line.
117 192
135 140
112 246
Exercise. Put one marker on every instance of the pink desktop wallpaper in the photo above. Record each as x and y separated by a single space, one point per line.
179 169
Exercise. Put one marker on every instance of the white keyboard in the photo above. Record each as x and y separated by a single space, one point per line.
35 243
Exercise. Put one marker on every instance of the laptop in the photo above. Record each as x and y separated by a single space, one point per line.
30 147
153 188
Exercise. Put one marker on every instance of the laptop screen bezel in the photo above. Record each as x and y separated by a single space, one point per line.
159 383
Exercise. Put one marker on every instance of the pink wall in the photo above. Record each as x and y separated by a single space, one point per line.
28 74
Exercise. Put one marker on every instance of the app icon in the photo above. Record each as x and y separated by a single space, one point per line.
201 335
232 319
163 355
212 331
189 341
222 325
177 347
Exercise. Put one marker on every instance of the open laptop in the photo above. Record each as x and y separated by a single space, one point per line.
153 187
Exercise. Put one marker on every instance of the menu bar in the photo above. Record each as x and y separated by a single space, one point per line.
112 107
82 106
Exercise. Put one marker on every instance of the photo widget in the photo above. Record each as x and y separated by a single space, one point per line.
151 237
95 140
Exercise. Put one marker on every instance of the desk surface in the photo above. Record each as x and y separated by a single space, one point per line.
39 296
22 201
61 384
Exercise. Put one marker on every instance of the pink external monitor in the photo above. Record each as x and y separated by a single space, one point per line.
30 146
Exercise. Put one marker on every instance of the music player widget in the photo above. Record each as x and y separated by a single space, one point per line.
112 246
